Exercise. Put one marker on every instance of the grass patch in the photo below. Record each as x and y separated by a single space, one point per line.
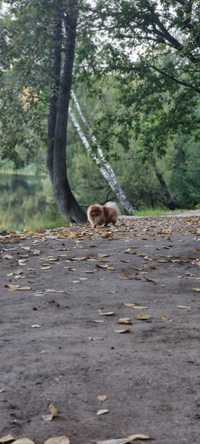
153 212
34 224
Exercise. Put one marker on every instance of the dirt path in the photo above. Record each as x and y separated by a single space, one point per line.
57 346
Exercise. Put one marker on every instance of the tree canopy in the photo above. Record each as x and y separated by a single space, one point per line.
136 73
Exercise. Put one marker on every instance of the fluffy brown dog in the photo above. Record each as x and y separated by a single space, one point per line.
102 214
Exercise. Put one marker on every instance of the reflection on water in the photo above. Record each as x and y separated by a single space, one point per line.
26 202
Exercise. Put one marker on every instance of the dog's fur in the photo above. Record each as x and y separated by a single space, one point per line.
102 214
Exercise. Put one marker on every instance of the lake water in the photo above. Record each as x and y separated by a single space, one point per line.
27 202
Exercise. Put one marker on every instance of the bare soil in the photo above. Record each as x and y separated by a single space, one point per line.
52 349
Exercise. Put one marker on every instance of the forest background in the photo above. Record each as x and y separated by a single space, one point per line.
137 81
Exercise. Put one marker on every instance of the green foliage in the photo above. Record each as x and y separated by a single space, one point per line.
137 79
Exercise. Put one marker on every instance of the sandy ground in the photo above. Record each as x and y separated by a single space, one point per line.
57 345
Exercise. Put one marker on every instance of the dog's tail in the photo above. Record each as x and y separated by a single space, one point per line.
112 205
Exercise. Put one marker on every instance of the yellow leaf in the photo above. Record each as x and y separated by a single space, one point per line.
143 317
163 318
53 410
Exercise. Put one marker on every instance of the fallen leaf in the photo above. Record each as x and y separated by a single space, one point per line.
123 330
102 412
58 440
36 252
24 288
83 258
51 290
22 262
103 266
136 306
23 441
126 440
6 439
143 317
125 321
106 313
7 256
150 280
13 287
54 412
130 251
184 307
53 259
89 271
164 318
102 398
97 338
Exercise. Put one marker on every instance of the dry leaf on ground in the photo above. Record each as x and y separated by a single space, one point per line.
143 317
102 398
125 321
54 412
51 290
127 440
123 330
23 441
6 439
22 262
46 267
102 412
106 313
135 306
13 287
7 256
58 440
164 318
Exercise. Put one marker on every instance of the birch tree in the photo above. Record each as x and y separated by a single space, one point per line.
90 143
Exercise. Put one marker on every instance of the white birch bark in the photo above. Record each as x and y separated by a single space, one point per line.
98 156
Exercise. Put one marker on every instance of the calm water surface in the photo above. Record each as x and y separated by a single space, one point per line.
25 201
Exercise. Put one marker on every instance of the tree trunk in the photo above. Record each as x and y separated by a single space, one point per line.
98 156
169 199
58 116
56 72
